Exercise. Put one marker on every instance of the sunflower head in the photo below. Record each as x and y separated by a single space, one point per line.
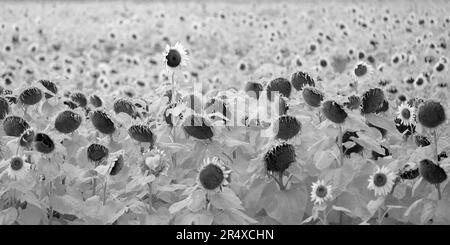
67 121
175 56
253 89
102 122
79 98
280 157
382 181
198 127
432 172
372 100
300 79
287 127
50 86
431 114
213 175
16 163
142 133
409 171
18 168
4 108
406 115
280 85
354 102
125 106
15 126
334 112
97 152
156 163
30 96
95 100
421 140
43 143
312 96
321 192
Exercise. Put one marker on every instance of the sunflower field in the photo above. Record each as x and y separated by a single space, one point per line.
224 113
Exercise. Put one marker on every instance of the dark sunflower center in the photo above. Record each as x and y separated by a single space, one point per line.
360 70
211 177
406 114
321 191
16 163
419 81
173 58
380 180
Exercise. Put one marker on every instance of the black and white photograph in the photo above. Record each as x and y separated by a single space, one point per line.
254 114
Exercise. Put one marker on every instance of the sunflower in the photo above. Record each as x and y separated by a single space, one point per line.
214 175
406 114
17 168
175 57
382 181
362 71
320 192
156 162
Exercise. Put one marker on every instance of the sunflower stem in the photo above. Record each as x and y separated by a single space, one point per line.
341 153
282 186
438 187
174 95
50 192
104 191
276 180
94 185
435 147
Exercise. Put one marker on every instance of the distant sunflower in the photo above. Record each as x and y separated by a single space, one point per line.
320 192
406 114
175 57
362 71
17 167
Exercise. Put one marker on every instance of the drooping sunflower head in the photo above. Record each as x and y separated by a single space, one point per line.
312 96
334 111
279 157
